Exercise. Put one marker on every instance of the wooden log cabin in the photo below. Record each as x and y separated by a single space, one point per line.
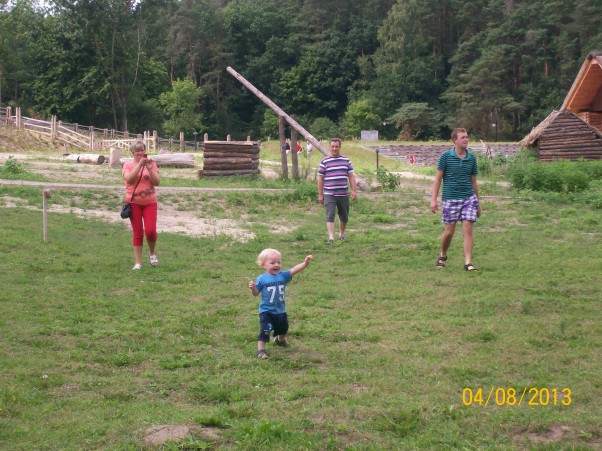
574 131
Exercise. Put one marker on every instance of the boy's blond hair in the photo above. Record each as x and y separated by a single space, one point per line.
263 256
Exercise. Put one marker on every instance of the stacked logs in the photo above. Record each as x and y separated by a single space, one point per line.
225 158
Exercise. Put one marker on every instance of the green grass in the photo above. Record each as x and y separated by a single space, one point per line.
383 344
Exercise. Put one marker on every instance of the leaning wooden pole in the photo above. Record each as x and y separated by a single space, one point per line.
293 123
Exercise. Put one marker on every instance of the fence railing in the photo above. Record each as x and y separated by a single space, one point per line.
91 138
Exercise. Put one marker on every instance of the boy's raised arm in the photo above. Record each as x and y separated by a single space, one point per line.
301 266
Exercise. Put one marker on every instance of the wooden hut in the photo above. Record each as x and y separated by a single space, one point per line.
574 131
563 135
225 158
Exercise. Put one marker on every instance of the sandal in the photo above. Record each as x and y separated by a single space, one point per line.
470 267
329 241
261 354
441 262
154 261
282 343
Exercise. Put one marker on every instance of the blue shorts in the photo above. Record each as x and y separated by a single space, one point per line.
460 210
269 322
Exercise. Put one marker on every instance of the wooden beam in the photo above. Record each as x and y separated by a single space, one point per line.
279 111
293 123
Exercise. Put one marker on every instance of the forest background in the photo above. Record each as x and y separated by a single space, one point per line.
411 69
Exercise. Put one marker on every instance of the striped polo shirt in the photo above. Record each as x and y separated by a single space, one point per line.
457 174
335 171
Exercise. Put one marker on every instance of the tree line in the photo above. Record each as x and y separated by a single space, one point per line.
412 69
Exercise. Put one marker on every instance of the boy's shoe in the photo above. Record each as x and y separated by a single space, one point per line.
261 354
283 343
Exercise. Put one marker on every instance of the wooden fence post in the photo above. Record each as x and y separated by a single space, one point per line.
294 159
182 142
46 194
155 141
53 128
284 163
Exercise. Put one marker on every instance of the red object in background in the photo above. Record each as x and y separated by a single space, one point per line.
412 159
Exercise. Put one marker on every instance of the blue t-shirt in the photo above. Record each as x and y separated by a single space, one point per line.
272 291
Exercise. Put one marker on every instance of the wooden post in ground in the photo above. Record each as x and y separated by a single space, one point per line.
284 164
294 159
182 142
53 128
45 195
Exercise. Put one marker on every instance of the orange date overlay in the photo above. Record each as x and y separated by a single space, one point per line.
510 396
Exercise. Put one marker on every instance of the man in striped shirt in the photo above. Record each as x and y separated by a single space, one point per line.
334 173
458 169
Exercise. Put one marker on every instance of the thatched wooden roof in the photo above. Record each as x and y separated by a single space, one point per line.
537 131
586 92
548 122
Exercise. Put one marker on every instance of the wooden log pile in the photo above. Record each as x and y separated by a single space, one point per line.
226 158
175 160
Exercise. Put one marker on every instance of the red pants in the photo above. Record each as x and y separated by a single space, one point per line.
144 221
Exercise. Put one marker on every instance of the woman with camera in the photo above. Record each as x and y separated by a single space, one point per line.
141 176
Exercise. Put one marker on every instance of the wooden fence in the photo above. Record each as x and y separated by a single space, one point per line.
90 138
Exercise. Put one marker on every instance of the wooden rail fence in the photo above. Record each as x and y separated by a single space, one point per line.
90 138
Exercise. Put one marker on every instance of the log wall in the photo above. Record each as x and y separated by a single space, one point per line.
569 138
226 158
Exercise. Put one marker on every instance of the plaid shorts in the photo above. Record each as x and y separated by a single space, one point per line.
460 210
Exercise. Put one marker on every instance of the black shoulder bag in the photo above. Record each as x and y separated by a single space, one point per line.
126 210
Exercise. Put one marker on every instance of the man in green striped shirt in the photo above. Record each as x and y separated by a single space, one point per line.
457 168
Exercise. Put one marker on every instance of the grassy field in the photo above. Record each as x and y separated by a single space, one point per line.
387 352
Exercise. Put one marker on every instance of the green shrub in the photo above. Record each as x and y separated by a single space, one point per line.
592 168
388 180
12 167
559 177
593 196
484 164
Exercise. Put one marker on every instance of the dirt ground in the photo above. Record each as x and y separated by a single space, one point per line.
75 175
67 174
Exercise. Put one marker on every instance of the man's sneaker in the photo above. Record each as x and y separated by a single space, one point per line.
261 354
282 343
